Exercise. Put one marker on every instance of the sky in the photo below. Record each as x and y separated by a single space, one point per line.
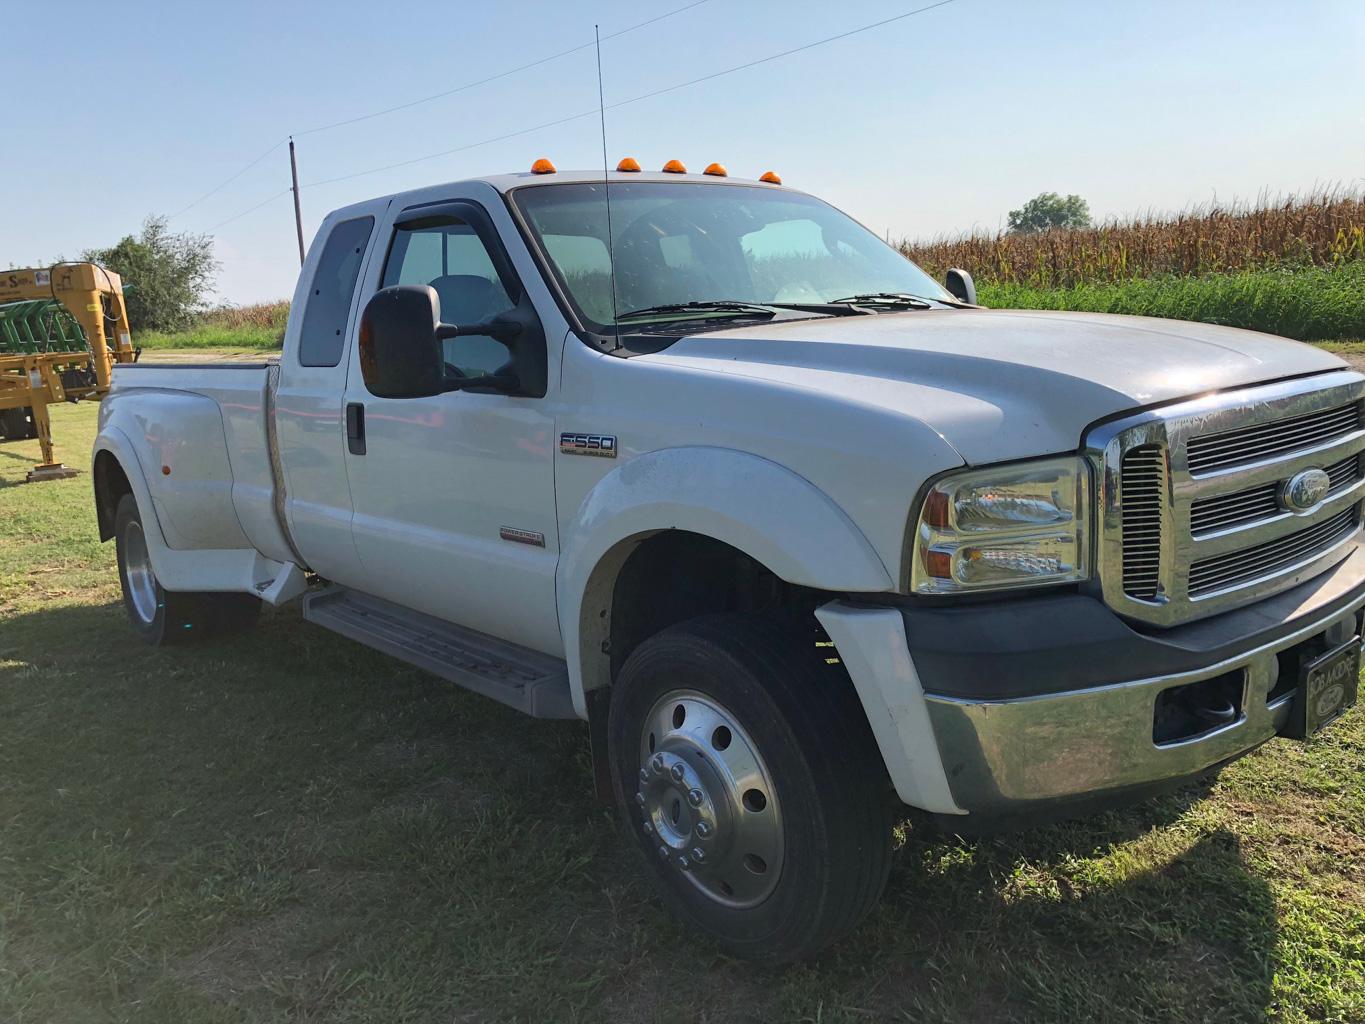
934 124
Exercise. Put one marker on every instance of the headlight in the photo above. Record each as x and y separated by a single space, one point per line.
1022 525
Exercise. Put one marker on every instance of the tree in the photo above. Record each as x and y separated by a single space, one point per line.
1049 210
168 274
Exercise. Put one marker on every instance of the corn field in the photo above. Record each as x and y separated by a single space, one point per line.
1321 229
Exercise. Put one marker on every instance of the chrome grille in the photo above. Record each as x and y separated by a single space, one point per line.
1191 522
1223 511
1144 486
1268 440
1223 571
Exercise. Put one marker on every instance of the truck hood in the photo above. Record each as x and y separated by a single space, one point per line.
1001 384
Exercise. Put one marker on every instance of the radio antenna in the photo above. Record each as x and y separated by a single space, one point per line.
606 190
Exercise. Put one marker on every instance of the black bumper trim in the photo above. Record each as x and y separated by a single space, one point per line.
1053 644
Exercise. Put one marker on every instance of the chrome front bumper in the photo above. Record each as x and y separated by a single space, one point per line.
1007 755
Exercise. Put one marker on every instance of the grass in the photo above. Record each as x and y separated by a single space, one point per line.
291 827
1307 303
259 327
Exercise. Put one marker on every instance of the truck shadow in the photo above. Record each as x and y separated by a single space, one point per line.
392 809
1073 922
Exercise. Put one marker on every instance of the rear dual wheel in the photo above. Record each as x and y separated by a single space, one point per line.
746 771
161 617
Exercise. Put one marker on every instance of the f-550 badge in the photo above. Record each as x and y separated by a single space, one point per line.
601 445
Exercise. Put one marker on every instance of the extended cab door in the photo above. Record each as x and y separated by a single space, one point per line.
453 495
309 413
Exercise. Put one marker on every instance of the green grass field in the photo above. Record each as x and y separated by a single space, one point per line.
289 827
249 327
1309 304
209 336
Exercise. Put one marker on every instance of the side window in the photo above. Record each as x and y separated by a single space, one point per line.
451 259
323 334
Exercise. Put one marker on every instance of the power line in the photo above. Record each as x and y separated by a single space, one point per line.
228 181
613 106
457 149
634 99
779 56
252 209
427 99
493 78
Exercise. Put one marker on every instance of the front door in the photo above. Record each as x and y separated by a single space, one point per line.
453 495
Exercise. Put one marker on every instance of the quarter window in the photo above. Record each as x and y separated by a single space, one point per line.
323 334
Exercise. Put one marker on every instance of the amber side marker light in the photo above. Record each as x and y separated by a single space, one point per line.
542 166
628 164
717 170
674 167
771 177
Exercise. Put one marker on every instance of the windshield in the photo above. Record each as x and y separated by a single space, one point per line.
680 243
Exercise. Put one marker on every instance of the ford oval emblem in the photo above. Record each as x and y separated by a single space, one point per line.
1305 490
1329 699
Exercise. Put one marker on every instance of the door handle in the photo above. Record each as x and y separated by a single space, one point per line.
355 427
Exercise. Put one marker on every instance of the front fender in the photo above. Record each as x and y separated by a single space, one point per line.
776 517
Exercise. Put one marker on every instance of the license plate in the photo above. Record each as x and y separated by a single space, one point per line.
1328 685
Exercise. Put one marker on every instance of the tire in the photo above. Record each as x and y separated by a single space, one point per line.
17 425
164 618
789 806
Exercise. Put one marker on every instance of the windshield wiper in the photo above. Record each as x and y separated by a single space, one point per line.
886 299
731 307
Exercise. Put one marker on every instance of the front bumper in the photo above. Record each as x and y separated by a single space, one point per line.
1076 724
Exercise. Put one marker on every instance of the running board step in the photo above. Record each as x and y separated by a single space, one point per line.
527 680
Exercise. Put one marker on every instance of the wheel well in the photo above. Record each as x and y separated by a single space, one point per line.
111 484
674 576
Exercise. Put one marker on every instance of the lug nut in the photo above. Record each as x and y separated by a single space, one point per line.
657 764
684 863
695 797
649 829
644 775
663 851
703 829
679 771
640 799
698 854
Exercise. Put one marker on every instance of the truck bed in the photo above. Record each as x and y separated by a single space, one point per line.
203 442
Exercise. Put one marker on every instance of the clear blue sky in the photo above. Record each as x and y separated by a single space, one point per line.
937 123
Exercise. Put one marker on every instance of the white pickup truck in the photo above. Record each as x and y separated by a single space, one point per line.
795 529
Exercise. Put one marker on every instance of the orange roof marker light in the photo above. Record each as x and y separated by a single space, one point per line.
542 166
771 177
674 167
628 163
717 170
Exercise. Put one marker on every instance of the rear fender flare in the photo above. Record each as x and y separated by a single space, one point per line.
238 570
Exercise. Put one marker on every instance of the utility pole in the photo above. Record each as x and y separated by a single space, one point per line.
298 210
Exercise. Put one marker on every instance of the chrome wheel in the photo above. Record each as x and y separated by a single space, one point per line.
708 799
137 573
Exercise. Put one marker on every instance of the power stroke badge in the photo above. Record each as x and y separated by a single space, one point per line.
603 446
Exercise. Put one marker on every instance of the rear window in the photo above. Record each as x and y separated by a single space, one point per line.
323 335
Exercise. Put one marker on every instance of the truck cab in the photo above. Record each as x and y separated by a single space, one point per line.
804 536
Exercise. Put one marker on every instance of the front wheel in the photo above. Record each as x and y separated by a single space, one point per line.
161 617
746 770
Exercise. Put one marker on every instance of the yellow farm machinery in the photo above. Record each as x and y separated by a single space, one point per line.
62 330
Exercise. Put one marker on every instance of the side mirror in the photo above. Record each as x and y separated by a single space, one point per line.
961 286
400 342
